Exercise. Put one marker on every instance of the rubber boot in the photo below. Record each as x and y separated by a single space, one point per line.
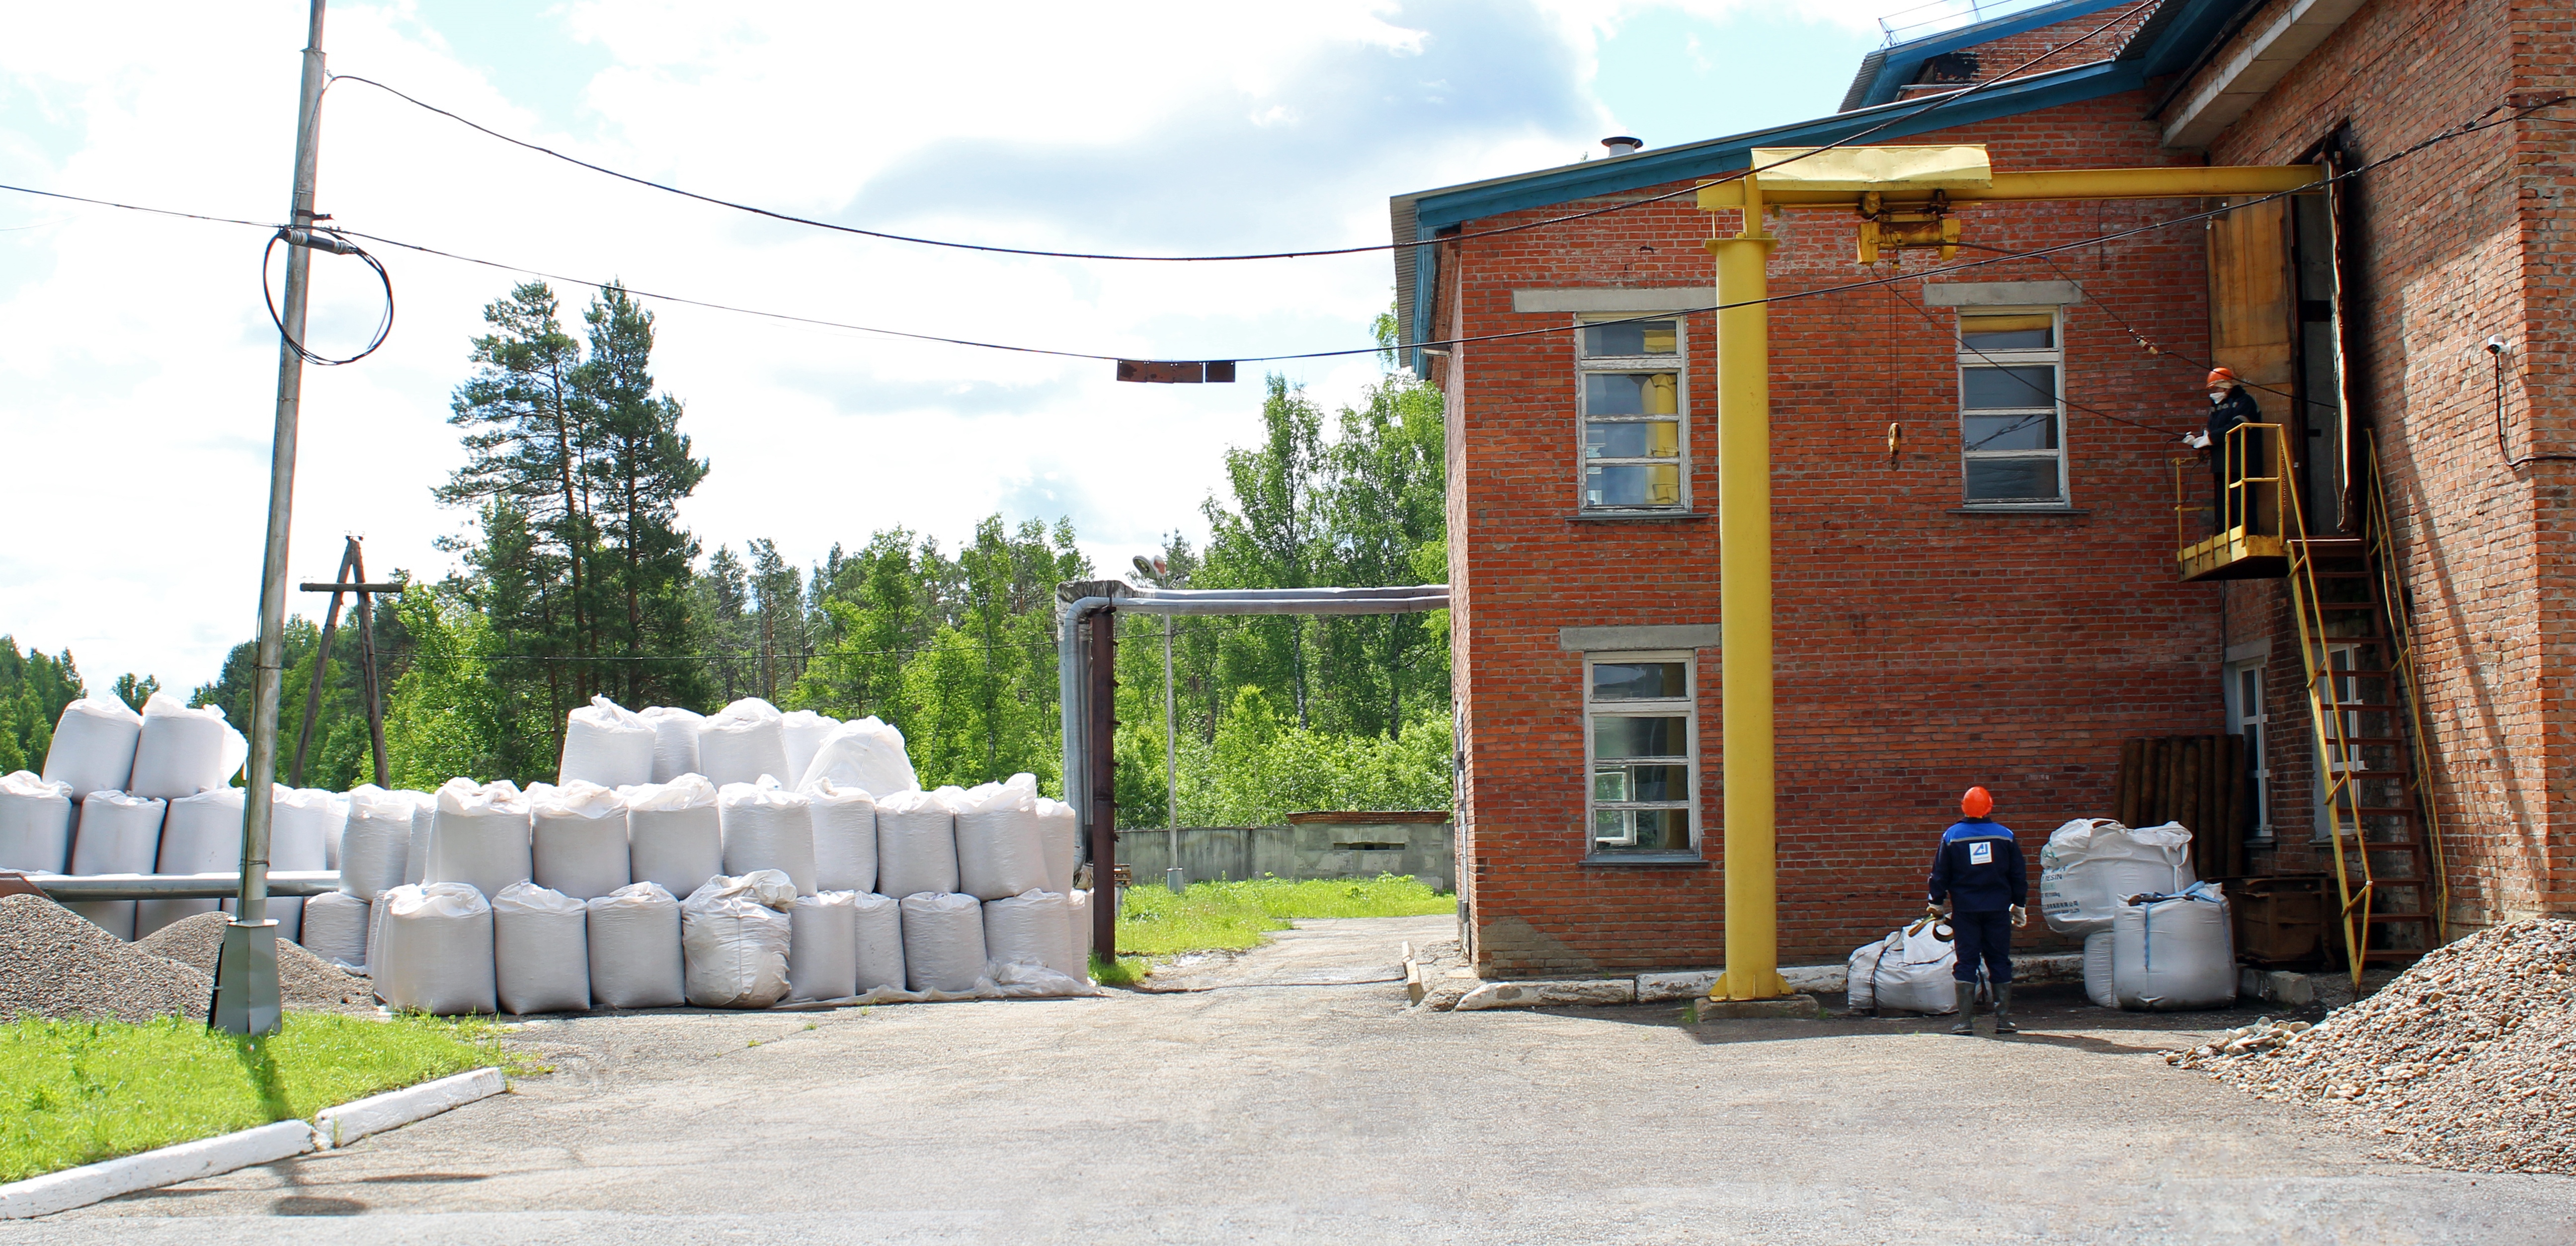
1967 1009
2003 1010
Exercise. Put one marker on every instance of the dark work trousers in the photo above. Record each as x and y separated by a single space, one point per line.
2225 469
1986 937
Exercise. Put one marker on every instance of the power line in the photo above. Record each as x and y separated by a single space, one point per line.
791 218
2465 128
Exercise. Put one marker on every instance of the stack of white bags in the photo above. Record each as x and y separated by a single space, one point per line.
2154 938
669 864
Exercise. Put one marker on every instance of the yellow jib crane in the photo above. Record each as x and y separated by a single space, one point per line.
1902 196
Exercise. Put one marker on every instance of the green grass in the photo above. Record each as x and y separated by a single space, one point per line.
77 1092
1234 916
1126 971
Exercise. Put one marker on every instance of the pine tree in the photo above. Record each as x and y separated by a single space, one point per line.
639 469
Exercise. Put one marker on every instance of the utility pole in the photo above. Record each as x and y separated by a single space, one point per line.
246 968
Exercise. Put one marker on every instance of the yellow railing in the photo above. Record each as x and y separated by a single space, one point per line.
2382 539
2249 519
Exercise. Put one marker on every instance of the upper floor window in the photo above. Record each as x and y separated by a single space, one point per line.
2012 407
1633 406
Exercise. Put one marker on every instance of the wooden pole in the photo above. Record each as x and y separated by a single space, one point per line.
1102 784
321 666
369 684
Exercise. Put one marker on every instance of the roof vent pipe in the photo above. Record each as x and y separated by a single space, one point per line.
1621 144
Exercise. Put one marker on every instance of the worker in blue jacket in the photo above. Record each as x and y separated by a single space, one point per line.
1979 880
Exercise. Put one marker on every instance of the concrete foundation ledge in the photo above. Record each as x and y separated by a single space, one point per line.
1545 994
186 1161
342 1125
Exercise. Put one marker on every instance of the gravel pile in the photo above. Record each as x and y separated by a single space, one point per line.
305 982
54 963
2466 1061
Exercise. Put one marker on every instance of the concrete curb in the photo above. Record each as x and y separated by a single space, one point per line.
1651 988
186 1161
342 1125
265 1144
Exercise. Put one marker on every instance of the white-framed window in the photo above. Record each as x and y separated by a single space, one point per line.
1632 414
1641 751
2248 717
2012 407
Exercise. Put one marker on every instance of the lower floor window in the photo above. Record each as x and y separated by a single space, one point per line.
1640 727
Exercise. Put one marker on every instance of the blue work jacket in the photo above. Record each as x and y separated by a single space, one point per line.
1979 868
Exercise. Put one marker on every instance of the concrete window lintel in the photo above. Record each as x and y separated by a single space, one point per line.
1638 636
2001 293
1600 299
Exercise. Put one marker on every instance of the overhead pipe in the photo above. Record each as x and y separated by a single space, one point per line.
222 886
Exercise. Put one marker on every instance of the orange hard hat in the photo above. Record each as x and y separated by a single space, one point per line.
2221 376
1977 803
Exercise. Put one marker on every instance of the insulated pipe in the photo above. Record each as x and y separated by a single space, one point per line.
225 886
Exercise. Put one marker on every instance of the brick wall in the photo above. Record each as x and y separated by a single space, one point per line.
2463 240
1919 650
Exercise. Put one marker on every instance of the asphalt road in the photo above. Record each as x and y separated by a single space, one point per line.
1252 1113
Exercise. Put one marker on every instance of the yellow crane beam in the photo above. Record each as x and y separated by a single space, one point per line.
1870 181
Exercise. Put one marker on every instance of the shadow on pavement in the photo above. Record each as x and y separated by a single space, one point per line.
2056 1015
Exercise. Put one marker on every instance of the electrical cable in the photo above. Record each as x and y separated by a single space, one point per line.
2470 126
384 326
1928 105
2007 366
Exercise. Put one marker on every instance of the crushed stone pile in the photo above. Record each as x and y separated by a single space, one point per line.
2465 1061
55 963
305 982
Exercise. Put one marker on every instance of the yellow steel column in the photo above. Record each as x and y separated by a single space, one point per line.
1744 597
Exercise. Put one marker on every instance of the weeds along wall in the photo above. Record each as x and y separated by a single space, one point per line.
2465 240
1921 646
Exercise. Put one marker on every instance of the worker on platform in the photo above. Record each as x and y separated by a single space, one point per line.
1979 881
2229 406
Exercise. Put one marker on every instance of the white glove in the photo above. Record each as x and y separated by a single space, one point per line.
2197 441
2020 916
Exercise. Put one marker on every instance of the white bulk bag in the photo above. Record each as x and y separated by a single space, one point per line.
481 837
35 823
301 822
767 827
878 921
943 941
152 915
375 841
2097 969
741 743
182 752
1031 929
607 744
119 834
635 949
1077 919
200 834
823 952
335 928
917 842
1909 969
2171 952
339 831
675 741
845 837
113 916
1001 845
2090 865
93 748
435 952
1060 834
867 755
675 837
540 950
800 734
734 934
424 820
578 840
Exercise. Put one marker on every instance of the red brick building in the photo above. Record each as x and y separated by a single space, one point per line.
1973 483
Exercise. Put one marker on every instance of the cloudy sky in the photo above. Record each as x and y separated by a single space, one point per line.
138 375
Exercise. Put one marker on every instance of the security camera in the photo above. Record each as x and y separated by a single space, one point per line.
2495 345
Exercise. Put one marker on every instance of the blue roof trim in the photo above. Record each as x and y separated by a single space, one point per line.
1899 64
1438 209
2177 33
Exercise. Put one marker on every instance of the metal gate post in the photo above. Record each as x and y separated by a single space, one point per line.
1100 730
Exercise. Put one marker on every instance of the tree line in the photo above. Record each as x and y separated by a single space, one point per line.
578 579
